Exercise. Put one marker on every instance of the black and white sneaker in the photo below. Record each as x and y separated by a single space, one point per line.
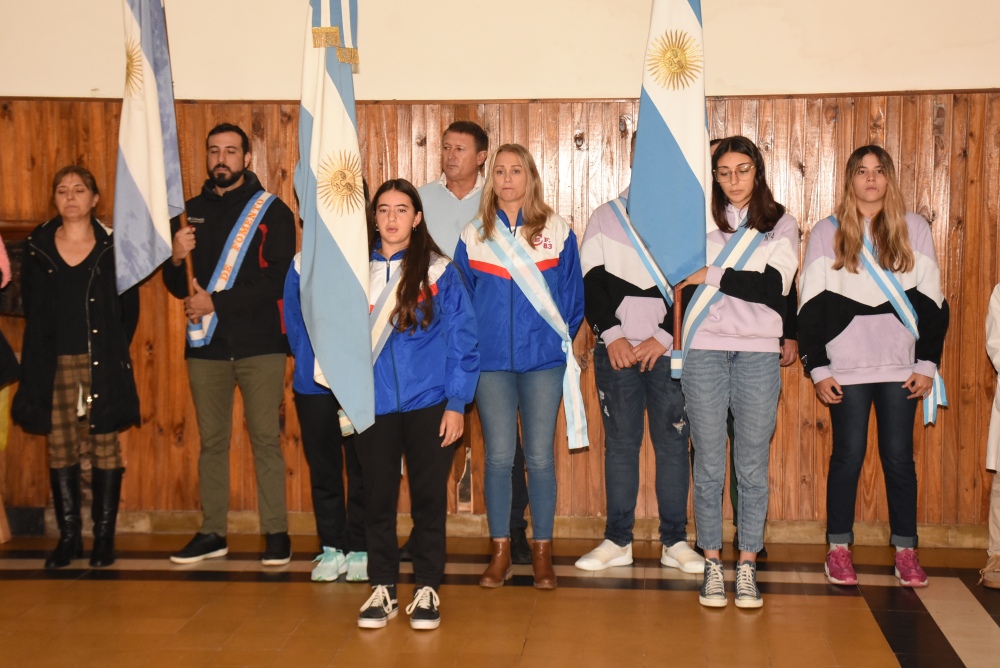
713 588
380 607
277 549
747 593
202 546
423 612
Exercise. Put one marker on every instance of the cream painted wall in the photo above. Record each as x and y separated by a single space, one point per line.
516 49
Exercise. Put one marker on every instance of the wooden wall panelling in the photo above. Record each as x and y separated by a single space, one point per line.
945 145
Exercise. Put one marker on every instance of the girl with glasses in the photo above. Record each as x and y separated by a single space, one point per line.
731 359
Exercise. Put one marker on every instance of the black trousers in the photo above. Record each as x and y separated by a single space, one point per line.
414 435
340 521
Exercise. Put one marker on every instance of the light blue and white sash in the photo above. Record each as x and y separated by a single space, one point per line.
735 254
378 318
618 206
894 292
510 250
233 254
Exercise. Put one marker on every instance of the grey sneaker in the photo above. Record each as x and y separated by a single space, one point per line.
713 588
747 593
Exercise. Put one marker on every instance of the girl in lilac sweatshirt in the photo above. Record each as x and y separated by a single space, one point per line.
731 360
854 344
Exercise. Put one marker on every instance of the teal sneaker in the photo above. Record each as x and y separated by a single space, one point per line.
330 565
357 567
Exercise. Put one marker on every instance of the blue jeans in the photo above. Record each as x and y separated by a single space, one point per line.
894 415
537 394
625 395
748 384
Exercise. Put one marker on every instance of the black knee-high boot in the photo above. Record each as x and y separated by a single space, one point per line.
107 484
66 500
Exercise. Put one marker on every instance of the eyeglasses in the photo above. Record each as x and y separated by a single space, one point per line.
742 172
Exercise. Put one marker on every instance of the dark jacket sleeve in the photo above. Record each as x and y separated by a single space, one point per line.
262 280
933 325
129 303
790 323
598 305
175 277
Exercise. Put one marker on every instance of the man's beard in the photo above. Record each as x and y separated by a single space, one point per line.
224 178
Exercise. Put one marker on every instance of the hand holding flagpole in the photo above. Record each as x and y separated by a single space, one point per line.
184 243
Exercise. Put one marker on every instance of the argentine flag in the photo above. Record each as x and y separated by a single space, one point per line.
148 191
334 282
671 169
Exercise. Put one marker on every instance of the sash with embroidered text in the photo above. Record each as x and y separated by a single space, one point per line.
894 292
233 254
618 206
735 254
510 250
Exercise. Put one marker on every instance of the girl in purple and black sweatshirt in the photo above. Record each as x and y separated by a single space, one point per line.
732 362
858 352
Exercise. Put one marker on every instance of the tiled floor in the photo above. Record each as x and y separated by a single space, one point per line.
145 611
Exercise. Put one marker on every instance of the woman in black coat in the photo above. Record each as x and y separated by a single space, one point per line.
77 384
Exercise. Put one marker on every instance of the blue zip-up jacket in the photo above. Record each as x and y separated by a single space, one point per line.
421 368
512 335
298 338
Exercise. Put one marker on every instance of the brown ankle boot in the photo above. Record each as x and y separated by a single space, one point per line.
541 564
499 569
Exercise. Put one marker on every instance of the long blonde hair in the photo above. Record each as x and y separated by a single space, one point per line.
535 212
889 234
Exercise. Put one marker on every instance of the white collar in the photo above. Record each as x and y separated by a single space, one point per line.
480 182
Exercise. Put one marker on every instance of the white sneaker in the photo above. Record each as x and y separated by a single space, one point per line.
680 555
331 566
605 555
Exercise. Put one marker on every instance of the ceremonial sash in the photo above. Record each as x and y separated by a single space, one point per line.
510 250
378 317
894 292
618 206
735 254
233 254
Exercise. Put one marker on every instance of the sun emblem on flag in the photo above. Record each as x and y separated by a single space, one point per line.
675 60
133 67
339 182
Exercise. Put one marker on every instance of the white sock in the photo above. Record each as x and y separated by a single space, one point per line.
900 549
834 546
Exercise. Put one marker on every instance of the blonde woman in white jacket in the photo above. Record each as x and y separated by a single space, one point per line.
991 574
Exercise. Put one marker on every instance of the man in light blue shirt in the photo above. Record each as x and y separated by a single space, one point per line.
452 201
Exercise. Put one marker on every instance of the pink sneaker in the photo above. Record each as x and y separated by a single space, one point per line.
908 569
839 568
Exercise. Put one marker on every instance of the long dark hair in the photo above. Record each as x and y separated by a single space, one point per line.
413 282
763 212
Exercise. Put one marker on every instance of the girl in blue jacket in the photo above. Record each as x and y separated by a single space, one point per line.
426 370
523 358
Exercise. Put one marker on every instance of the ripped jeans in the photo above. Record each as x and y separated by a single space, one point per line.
625 395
